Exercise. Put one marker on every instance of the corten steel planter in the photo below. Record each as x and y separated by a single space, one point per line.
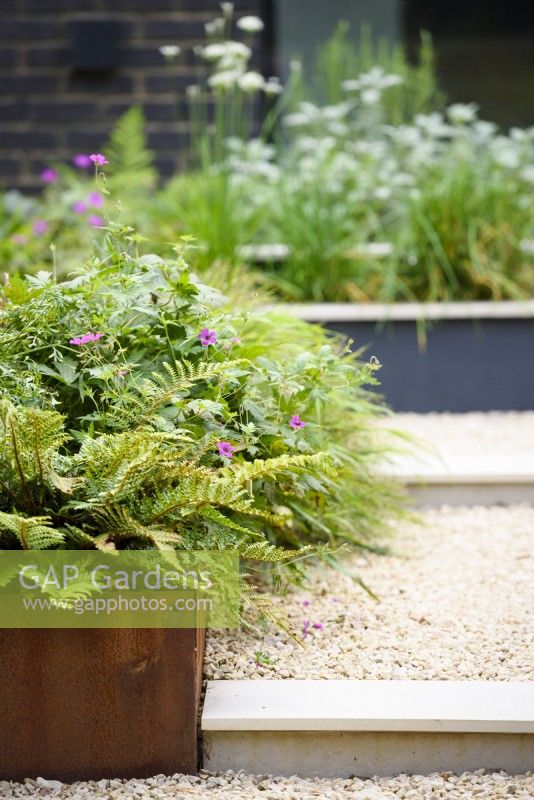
89 704
471 357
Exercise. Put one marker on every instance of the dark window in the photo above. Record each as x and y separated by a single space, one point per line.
485 48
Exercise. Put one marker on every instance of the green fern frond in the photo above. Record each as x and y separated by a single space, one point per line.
131 162
270 467
30 439
263 605
120 527
147 398
213 515
264 551
29 533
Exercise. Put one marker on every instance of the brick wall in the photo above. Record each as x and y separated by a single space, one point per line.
49 111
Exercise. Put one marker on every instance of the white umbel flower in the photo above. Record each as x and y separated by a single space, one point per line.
251 82
250 24
226 79
169 50
462 113
233 50
215 27
273 86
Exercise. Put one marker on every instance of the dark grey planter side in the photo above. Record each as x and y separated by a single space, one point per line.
466 365
477 356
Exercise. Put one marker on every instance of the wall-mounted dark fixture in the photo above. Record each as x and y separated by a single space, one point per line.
94 45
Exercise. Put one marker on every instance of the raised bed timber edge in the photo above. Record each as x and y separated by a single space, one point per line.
457 357
90 704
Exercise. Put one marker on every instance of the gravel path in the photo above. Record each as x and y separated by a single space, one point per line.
457 602
238 786
476 434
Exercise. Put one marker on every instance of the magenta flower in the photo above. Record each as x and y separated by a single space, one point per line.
79 207
86 338
98 159
96 200
81 161
296 422
226 449
207 337
306 603
306 627
40 227
49 175
318 626
95 221
19 238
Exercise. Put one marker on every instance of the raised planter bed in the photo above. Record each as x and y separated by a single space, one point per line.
90 704
475 356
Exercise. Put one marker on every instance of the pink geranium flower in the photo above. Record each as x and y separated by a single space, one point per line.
86 338
96 200
95 221
296 422
81 161
98 159
226 449
18 238
79 207
40 227
207 337
49 175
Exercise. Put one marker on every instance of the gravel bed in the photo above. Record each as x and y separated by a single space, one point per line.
239 786
456 602
476 434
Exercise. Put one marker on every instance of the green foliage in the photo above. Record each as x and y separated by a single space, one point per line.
375 190
131 162
345 56
113 442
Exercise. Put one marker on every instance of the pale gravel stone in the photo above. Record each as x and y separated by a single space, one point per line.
456 603
240 786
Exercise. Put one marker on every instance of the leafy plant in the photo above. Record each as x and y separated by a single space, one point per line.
139 409
344 57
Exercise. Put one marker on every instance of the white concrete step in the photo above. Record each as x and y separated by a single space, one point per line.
433 480
340 728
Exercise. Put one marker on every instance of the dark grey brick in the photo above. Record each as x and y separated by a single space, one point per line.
162 112
61 5
28 29
61 111
28 84
53 55
80 139
8 56
167 140
165 30
166 83
28 139
14 112
9 168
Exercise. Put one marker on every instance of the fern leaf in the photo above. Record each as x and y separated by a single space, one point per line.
250 471
30 533
263 605
264 551
131 162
